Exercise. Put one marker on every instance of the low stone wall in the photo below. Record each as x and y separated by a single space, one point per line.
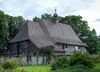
33 60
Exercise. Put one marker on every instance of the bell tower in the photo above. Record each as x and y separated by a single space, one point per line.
55 17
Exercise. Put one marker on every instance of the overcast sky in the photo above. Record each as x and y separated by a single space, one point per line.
88 9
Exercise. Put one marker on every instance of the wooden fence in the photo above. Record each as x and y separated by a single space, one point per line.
33 60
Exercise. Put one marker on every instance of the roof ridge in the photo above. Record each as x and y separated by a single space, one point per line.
22 34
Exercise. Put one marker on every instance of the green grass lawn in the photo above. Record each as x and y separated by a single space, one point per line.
40 68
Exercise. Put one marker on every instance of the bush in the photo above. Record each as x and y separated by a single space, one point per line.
60 62
77 68
1 69
76 59
96 57
10 64
81 59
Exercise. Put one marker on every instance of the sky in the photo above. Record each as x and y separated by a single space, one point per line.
88 9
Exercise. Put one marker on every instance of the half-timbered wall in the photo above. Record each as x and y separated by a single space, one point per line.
13 48
70 49
18 48
23 47
33 50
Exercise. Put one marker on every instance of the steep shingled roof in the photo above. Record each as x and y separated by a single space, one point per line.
62 33
32 31
45 33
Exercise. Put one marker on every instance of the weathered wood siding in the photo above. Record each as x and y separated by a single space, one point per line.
23 48
69 49
13 49
32 47
18 48
23 60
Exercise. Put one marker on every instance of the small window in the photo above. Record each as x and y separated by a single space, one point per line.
79 48
63 46
66 46
34 54
76 47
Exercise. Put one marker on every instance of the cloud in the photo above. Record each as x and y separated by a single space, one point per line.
88 9
91 14
31 8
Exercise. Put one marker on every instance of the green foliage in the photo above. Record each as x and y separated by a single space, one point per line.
96 57
76 59
36 19
46 16
77 68
3 31
60 62
82 59
14 24
1 69
10 64
9 26
81 28
47 51
93 43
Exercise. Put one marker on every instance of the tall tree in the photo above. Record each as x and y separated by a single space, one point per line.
83 31
46 16
3 31
14 24
9 26
36 19
80 27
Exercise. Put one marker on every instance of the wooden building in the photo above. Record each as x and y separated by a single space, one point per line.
35 35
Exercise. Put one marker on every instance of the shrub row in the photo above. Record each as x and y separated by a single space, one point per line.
76 59
77 68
